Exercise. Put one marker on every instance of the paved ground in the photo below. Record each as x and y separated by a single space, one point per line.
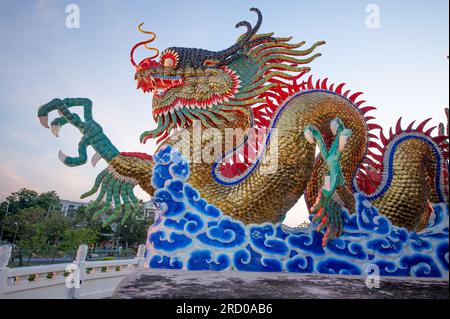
152 283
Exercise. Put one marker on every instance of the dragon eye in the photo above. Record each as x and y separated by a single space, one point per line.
169 59
168 62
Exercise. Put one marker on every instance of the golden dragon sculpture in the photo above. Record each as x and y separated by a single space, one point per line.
257 91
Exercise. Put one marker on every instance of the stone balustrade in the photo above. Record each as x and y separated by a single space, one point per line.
80 279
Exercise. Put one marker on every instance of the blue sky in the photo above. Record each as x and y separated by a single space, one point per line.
401 67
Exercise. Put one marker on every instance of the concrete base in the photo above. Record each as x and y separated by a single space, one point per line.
165 284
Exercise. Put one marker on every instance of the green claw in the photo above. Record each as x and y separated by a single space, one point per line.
128 208
92 132
85 103
102 192
108 199
117 204
56 125
92 135
98 182
82 155
45 109
331 209
131 195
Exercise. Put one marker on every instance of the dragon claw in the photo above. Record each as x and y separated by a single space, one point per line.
62 156
342 142
95 159
309 136
334 125
55 130
44 121
343 138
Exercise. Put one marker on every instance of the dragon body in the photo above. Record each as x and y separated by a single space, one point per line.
259 88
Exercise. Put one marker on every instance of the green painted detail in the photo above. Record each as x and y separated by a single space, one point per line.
159 128
327 209
92 132
256 92
246 68
111 189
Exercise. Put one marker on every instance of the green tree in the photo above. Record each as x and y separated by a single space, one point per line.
48 200
72 238
38 227
51 230
26 220
23 199
134 231
26 198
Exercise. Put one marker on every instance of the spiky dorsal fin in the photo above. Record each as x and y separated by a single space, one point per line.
369 183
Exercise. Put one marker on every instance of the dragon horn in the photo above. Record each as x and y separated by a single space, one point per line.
144 43
244 38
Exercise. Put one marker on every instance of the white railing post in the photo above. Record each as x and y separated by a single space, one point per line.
140 256
5 255
80 261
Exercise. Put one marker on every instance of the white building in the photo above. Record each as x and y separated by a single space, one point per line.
67 205
149 210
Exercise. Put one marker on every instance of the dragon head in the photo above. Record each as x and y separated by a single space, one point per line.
190 84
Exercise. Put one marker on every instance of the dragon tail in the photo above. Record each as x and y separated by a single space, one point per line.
409 173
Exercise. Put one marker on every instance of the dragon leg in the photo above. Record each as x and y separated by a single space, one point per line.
63 110
84 102
117 181
328 206
59 122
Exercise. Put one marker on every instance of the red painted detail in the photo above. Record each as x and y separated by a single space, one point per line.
410 126
373 126
383 138
430 130
366 109
422 125
355 96
398 127
143 156
339 88
375 145
358 104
